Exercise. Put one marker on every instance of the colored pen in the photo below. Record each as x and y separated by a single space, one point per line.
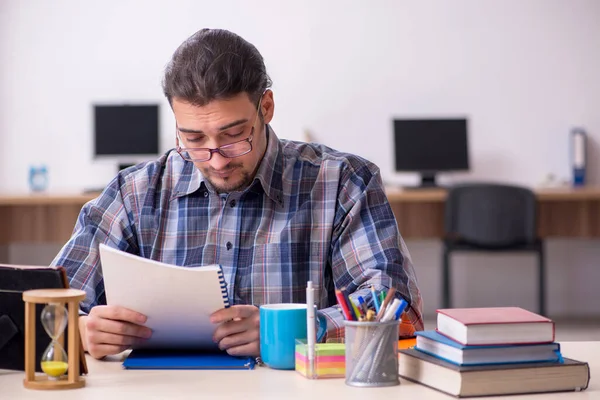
374 296
391 310
353 314
342 303
400 310
363 304
386 302
310 327
357 313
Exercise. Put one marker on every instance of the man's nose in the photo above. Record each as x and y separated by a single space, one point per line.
218 162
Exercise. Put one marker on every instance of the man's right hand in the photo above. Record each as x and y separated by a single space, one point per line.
110 330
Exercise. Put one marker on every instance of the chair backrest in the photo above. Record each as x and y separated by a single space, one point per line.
491 215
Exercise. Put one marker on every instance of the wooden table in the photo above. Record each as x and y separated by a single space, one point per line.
108 381
562 212
567 213
39 218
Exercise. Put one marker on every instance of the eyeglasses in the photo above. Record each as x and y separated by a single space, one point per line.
231 150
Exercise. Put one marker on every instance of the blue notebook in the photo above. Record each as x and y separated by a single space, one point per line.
440 346
181 359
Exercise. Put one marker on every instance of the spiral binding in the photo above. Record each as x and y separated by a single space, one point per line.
223 287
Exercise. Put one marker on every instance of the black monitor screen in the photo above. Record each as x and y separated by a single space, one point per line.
126 130
430 145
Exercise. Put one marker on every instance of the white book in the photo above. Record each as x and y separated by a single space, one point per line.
178 301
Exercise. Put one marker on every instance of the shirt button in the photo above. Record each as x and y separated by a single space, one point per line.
232 203
229 245
205 194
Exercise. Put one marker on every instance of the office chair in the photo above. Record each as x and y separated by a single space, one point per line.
491 217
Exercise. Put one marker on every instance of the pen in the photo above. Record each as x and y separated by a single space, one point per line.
374 296
342 302
363 304
386 301
401 308
353 314
310 327
391 311
357 311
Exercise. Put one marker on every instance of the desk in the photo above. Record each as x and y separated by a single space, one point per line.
562 212
566 213
107 380
39 218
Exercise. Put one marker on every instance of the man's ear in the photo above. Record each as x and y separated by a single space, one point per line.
267 106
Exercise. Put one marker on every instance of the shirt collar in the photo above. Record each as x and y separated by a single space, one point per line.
269 174
270 171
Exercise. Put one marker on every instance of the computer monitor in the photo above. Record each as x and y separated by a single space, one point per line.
126 133
430 146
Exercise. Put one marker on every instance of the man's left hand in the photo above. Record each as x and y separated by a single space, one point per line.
239 330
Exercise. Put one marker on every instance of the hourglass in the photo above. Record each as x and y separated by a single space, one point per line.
61 369
54 360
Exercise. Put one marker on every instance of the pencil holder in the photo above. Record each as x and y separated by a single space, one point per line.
372 353
329 361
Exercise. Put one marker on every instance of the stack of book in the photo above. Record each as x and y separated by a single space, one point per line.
491 351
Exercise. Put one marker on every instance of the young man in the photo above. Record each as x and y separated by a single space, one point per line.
273 213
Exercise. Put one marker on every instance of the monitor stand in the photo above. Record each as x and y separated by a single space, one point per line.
98 190
122 166
427 182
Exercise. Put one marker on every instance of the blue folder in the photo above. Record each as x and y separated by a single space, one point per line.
183 359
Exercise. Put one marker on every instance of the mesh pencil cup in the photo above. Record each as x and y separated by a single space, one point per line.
372 353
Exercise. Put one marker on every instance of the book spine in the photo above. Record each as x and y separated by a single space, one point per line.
223 288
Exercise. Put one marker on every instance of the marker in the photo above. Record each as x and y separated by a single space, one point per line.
400 310
363 304
374 296
390 311
342 303
357 311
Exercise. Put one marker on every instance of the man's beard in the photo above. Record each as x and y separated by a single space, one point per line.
228 184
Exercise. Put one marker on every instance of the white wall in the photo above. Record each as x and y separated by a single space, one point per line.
524 71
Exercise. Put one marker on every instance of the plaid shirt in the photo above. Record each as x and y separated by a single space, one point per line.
311 213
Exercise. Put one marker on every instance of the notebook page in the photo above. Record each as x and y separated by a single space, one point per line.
177 300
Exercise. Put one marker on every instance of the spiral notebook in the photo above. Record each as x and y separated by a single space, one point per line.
178 301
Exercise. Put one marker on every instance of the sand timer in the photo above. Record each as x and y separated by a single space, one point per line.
60 367
54 359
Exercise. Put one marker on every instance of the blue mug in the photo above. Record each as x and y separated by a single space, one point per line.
280 326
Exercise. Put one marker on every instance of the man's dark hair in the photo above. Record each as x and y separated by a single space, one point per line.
215 64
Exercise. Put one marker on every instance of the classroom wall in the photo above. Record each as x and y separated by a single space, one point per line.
524 72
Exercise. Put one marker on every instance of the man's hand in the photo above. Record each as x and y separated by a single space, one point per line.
239 332
110 330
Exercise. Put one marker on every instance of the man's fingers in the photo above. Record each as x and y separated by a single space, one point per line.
99 337
119 314
226 314
101 350
117 327
230 328
236 339
249 349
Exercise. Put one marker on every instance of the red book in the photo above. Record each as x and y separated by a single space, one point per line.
494 326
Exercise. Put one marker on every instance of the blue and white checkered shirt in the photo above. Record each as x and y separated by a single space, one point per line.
311 213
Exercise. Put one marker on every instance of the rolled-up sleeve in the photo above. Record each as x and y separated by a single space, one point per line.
368 250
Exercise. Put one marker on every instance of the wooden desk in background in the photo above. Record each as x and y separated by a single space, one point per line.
564 213
39 218
567 213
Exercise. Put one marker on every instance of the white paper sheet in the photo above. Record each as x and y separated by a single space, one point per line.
177 300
